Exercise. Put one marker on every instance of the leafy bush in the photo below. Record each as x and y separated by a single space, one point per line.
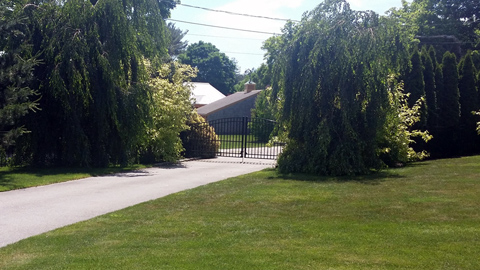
398 132
200 140
263 111
478 123
169 110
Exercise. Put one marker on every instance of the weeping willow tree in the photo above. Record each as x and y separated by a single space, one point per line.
95 98
333 84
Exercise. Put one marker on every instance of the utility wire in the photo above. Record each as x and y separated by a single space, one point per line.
239 14
245 53
223 27
198 35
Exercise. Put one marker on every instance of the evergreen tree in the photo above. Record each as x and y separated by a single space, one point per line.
16 96
449 107
439 88
468 103
478 86
176 45
433 56
430 94
435 146
476 59
415 85
449 98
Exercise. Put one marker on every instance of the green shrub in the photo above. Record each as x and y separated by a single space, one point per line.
260 127
169 110
200 140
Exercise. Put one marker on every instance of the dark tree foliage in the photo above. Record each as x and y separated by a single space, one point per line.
430 94
468 104
445 17
16 66
415 85
263 130
478 85
334 89
213 66
433 57
449 98
94 102
476 60
462 14
261 77
435 146
448 102
438 84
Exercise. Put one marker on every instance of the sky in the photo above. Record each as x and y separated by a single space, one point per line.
246 47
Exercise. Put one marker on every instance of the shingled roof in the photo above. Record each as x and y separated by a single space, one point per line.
226 102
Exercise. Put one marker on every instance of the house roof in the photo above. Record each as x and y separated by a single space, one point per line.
204 93
226 102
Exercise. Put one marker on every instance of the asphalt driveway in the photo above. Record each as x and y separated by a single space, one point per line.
28 212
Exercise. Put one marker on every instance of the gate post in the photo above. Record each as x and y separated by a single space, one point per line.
244 137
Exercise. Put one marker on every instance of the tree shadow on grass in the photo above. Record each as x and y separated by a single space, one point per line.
374 178
11 178
8 177
419 163
6 182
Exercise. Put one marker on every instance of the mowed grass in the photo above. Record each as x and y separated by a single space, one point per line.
24 177
235 141
425 216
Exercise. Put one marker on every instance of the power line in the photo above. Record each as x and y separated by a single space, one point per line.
238 14
198 35
245 53
223 27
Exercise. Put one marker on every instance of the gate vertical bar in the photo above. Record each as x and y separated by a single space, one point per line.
244 138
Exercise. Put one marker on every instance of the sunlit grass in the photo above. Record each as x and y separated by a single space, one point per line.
424 216
236 141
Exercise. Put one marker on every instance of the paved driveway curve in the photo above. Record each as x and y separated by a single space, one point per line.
28 212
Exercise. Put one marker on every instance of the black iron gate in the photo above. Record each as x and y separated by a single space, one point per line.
241 137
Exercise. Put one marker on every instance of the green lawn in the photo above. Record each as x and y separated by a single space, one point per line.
235 141
20 177
425 216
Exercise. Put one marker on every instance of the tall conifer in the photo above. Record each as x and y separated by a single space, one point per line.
449 98
17 98
468 103
449 106
415 85
430 94
433 56
476 59
435 145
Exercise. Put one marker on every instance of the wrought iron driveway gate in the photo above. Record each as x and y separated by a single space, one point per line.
241 137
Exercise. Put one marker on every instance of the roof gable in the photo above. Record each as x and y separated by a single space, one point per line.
226 102
205 93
